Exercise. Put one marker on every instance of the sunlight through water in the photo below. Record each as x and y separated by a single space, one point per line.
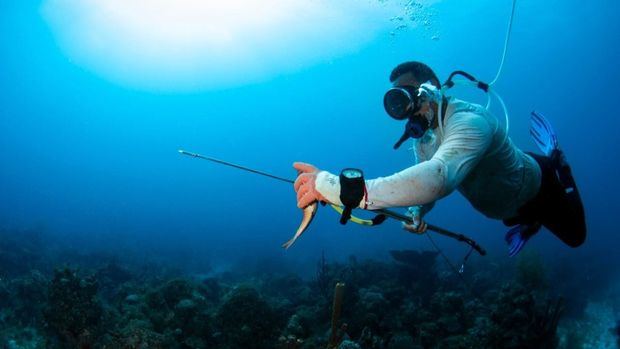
187 45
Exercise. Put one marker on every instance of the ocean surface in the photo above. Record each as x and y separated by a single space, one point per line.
97 97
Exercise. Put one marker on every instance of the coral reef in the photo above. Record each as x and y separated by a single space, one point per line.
73 311
410 302
246 320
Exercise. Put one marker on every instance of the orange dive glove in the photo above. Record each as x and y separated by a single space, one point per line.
305 185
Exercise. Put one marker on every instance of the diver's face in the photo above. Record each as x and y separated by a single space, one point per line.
409 80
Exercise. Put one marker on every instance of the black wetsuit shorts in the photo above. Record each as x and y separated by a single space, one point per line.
557 206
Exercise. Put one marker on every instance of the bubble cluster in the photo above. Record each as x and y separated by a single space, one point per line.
415 15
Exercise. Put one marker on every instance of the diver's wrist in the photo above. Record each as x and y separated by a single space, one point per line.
328 185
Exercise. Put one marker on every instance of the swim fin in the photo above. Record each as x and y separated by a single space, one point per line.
515 240
519 235
547 141
542 133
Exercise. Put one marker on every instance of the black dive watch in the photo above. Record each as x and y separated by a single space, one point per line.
352 188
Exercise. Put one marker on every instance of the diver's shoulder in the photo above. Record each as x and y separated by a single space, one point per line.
459 110
460 106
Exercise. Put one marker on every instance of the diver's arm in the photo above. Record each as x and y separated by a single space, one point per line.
467 137
417 185
421 184
421 156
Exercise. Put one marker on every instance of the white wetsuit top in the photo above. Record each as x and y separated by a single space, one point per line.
473 156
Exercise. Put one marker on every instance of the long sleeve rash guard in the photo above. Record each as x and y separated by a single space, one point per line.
473 156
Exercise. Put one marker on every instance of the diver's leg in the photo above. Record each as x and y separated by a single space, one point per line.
565 217
562 212
528 220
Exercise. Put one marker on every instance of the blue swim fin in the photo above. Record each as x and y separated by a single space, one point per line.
542 133
516 240
519 235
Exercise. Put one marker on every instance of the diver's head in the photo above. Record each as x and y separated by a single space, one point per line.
413 73
407 101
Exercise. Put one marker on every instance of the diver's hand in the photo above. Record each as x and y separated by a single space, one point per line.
418 226
305 184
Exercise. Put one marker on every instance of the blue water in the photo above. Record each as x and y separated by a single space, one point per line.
95 160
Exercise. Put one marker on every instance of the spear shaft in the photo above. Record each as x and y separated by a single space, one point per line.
394 215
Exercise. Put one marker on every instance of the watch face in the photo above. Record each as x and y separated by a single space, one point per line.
352 173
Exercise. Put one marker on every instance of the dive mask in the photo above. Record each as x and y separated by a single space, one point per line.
404 102
401 102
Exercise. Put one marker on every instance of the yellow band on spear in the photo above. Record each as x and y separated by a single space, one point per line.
353 219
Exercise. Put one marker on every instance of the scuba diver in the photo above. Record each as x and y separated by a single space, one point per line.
460 146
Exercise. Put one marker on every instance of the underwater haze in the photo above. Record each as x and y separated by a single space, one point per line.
99 96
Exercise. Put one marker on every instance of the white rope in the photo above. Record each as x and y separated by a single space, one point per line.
508 33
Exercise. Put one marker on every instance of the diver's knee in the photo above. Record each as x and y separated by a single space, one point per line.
577 240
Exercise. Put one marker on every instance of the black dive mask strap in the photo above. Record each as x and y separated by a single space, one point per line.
352 188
